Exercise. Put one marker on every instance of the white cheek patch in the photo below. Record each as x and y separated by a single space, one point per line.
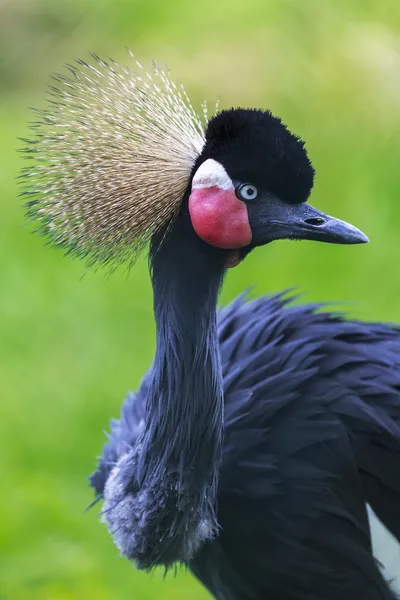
211 174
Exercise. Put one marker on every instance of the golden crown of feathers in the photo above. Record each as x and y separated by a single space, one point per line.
111 157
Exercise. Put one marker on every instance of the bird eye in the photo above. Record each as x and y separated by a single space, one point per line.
246 191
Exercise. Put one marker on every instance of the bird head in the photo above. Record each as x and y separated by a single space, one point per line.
251 184
119 153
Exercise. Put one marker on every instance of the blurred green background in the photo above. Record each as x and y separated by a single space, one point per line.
73 342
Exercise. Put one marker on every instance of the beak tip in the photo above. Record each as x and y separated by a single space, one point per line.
348 234
361 238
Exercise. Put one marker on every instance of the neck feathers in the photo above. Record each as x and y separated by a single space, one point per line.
173 471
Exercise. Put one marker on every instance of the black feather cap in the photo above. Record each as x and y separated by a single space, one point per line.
256 147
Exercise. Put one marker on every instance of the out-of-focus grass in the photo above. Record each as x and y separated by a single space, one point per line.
73 342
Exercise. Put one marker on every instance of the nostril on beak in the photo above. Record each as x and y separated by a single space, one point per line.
317 221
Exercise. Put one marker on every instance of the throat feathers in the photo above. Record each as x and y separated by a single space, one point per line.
164 490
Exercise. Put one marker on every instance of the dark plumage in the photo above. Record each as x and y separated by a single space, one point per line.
312 431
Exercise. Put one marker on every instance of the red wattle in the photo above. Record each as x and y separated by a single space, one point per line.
219 217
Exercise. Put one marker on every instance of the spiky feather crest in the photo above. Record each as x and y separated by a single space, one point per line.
112 157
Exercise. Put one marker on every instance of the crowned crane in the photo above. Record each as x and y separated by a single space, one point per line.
262 448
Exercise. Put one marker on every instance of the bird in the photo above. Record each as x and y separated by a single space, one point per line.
262 447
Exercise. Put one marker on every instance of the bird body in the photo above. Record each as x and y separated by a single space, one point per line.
305 394
264 435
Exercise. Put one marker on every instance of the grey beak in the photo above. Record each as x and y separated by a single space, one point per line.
304 222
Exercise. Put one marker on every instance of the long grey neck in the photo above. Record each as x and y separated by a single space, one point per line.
181 446
185 402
